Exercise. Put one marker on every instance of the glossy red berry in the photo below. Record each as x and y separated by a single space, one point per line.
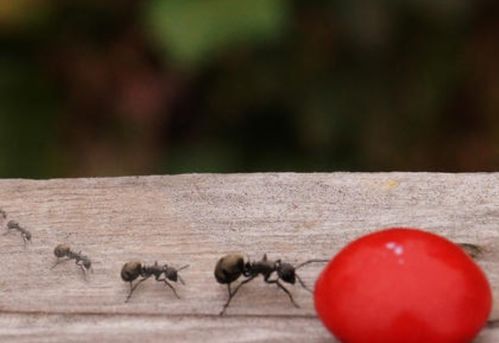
403 285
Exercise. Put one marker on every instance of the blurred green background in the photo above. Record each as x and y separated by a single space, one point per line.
93 88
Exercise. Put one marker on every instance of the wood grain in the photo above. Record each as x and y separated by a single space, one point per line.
195 219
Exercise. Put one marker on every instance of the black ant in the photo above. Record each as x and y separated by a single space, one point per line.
133 269
474 251
230 267
3 216
13 225
64 250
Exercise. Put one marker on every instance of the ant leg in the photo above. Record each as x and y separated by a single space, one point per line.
302 283
228 301
78 263
169 285
24 239
179 277
285 290
59 261
132 288
232 294
242 283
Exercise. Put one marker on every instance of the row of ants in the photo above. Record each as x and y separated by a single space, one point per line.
12 225
63 252
227 270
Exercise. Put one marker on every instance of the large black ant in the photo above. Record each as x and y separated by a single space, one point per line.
64 250
13 225
230 267
133 269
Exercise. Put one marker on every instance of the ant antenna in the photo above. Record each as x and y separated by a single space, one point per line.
304 264
179 277
310 261
303 283
59 261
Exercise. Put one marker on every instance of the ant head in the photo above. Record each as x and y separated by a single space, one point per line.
131 270
28 235
229 268
286 273
87 264
170 273
61 250
3 215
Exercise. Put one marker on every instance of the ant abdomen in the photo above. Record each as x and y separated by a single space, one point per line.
61 250
229 268
131 270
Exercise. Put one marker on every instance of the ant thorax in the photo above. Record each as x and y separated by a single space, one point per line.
264 267
155 270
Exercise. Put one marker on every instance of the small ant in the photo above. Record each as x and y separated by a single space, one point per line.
13 225
64 250
230 267
474 251
133 269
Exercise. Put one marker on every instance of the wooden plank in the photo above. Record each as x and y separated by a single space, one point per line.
140 328
195 219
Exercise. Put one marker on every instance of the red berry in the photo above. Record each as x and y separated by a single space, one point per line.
403 285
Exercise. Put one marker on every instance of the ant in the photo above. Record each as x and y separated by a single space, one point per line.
3 216
13 225
64 250
474 251
133 269
230 267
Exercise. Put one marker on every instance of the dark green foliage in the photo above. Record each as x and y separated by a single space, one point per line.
140 87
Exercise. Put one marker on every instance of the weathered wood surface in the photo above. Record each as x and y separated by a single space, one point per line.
197 218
